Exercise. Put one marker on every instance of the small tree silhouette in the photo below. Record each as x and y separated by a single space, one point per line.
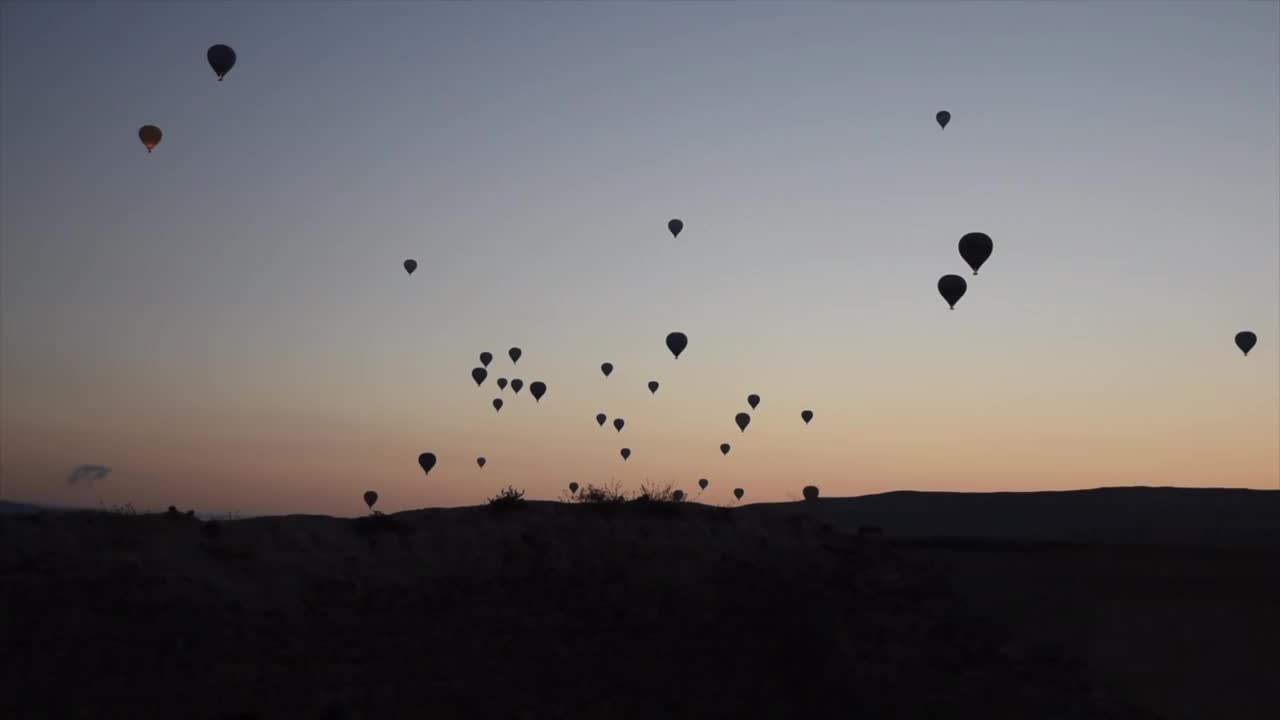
810 492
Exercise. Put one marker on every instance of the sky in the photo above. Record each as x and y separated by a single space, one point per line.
225 323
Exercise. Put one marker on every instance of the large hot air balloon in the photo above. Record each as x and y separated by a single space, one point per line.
479 374
426 461
221 59
502 383
606 368
676 343
943 117
410 265
370 497
537 388
702 484
743 420
515 353
618 423
486 358
675 226
150 136
1245 341
517 385
600 418
625 453
497 404
653 387
975 248
810 492
753 400
481 461
806 416
738 493
952 288
573 487
724 448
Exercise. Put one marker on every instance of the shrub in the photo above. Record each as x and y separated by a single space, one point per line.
509 499
658 493
600 495
810 492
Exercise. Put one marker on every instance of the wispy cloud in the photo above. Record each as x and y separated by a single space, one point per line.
87 474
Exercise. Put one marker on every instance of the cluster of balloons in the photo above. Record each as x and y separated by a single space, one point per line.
975 248
221 58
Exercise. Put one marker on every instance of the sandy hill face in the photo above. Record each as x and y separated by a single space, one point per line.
547 611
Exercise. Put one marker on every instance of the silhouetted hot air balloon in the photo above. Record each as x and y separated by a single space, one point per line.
515 353
952 288
677 495
626 453
1245 341
606 368
150 136
370 497
497 404
943 117
738 493
479 374
975 248
806 416
600 419
724 448
426 461
481 461
618 423
221 59
753 400
810 492
653 387
502 383
486 358
410 265
743 420
676 343
537 388
702 484
573 487
517 385
675 226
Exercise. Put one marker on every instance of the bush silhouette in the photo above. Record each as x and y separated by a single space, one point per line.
810 492
509 499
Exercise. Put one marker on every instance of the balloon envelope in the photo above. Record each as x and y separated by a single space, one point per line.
486 358
952 288
573 487
370 497
724 448
606 368
618 423
1245 341
221 59
626 453
943 117
502 383
753 400
426 461
806 416
975 248
675 226
517 385
738 493
497 404
515 353
703 483
678 495
743 420
150 136
653 387
481 461
600 419
677 342
479 374
410 265
538 388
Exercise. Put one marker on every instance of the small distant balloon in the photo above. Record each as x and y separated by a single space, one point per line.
738 493
618 423
573 487
410 265
150 136
952 288
479 374
702 484
675 226
810 492
678 496
676 343
1245 341
515 353
975 248
537 388
753 400
502 383
517 385
724 448
486 358
497 404
943 117
600 418
806 416
653 387
221 58
481 461
743 420
606 368
626 453
426 461
370 497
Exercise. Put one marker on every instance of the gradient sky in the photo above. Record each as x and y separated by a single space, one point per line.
225 322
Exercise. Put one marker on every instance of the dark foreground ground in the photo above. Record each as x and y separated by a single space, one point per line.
658 611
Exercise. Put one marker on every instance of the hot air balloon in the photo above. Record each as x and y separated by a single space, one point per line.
150 136
517 385
1245 341
806 416
618 423
975 248
426 461
702 484
573 487
724 448
221 59
481 461
486 358
738 493
677 495
600 419
410 265
675 226
479 374
370 497
606 368
743 420
952 288
515 353
537 388
502 383
676 343
753 401
653 387
497 404
943 117
625 453
810 492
